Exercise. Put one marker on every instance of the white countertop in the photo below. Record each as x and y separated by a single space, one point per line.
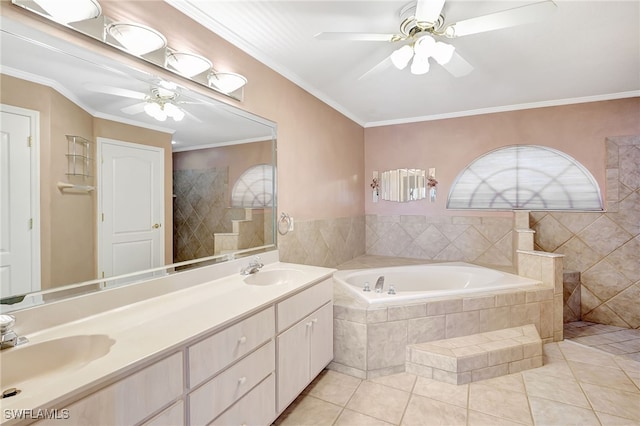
147 330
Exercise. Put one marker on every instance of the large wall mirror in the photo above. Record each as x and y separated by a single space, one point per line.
133 174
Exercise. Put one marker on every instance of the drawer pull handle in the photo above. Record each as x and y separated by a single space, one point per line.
315 320
242 340
242 380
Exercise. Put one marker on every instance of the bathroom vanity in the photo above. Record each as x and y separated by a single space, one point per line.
233 350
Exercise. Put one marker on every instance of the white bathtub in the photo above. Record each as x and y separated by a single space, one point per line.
428 281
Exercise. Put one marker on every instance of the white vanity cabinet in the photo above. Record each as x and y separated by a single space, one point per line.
305 340
231 363
244 371
133 399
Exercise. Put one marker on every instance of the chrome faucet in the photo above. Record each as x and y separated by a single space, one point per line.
253 267
8 337
379 284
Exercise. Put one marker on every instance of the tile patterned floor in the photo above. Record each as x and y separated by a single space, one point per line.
578 385
608 338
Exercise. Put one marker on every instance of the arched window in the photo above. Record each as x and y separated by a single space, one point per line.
254 188
525 177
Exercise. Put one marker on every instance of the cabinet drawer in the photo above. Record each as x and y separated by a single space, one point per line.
213 354
172 416
132 399
223 390
302 304
255 408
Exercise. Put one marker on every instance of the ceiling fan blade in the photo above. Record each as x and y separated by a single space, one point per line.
379 67
504 19
355 36
116 91
134 109
428 10
191 116
458 66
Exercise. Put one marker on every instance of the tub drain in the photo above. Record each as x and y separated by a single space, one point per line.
10 392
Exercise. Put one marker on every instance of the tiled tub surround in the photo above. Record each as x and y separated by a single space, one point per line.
603 247
482 240
327 242
371 340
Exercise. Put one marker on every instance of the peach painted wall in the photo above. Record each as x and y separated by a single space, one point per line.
578 130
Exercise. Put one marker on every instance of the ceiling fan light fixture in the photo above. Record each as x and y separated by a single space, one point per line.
443 52
173 111
69 11
401 57
420 65
135 38
188 64
425 46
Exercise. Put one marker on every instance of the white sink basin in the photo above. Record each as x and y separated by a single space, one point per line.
36 360
274 277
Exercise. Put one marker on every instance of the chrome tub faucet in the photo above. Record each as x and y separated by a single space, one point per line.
379 284
8 337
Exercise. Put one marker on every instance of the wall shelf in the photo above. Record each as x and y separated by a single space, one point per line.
79 156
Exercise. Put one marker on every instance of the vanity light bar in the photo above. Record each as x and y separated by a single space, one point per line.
135 39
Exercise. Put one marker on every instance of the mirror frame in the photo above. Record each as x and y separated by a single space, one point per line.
29 300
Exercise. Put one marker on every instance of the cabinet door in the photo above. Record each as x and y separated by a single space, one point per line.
293 362
321 339
131 399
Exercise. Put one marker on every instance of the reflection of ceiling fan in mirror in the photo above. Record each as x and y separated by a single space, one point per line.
160 103
423 27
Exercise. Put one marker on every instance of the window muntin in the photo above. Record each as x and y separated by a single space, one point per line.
525 177
254 188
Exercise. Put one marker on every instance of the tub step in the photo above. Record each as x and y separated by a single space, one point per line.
478 356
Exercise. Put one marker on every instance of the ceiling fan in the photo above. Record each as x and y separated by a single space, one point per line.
160 103
424 26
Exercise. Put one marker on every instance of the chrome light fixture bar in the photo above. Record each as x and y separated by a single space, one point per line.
85 17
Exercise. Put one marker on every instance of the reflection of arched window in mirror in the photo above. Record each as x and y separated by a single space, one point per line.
254 188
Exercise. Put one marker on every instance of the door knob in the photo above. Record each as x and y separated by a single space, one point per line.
156 225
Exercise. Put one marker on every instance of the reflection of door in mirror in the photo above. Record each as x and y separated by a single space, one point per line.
19 237
130 207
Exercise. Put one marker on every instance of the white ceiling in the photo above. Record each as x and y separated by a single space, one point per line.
585 51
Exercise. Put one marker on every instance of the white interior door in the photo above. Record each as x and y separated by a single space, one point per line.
130 207
19 202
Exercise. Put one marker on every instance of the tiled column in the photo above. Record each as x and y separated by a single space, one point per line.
546 267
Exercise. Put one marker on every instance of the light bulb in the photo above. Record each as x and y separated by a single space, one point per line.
402 56
443 52
227 82
152 108
174 112
425 46
188 64
137 39
420 65
70 10
160 115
